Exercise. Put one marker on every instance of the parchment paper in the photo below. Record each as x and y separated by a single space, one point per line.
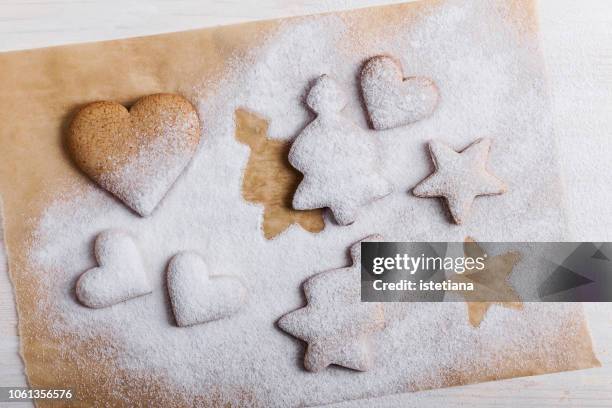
40 89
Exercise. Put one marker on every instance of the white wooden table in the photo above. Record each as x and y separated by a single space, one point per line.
577 40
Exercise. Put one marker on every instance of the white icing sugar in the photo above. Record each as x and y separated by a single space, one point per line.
492 85
120 275
197 297
391 99
346 184
281 76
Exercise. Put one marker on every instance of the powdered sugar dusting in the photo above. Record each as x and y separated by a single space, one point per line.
280 76
491 84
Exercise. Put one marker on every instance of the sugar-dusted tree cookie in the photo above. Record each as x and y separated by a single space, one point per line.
339 160
197 297
460 177
391 99
120 275
137 155
335 323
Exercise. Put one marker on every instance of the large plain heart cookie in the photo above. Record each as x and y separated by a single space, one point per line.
120 275
197 297
392 100
138 154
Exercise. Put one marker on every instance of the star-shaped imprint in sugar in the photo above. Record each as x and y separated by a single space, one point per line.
460 177
335 323
492 286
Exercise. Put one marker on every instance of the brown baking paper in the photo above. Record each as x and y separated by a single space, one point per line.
41 89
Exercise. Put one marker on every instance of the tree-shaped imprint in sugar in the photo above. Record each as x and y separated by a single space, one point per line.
339 160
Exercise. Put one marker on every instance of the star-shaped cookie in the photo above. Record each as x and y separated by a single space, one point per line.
460 177
335 323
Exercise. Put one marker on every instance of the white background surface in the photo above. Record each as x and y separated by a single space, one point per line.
577 42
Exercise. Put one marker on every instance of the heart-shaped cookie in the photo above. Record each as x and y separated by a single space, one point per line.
392 100
120 275
138 154
197 297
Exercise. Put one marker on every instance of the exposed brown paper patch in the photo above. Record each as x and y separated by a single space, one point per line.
489 283
270 180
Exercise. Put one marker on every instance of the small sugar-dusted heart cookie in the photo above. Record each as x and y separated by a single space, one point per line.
197 297
138 154
120 275
391 99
